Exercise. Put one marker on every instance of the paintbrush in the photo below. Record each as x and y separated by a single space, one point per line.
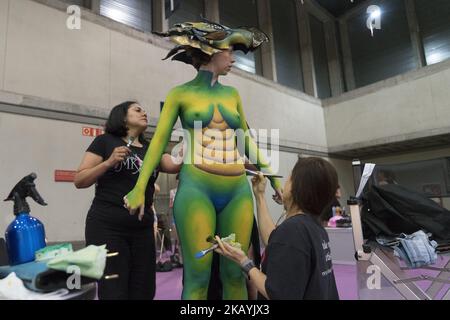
111 276
254 173
130 141
202 253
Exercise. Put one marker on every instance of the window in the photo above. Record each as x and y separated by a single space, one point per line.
320 57
428 177
237 13
386 54
286 44
188 10
341 56
81 3
434 23
134 13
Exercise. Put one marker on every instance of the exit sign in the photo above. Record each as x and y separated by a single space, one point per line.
65 175
92 132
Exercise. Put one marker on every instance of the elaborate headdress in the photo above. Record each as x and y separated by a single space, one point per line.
210 37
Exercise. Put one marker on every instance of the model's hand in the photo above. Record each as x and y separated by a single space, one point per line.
278 196
119 154
134 202
232 253
276 185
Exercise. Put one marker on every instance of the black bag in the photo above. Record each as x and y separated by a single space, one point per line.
391 209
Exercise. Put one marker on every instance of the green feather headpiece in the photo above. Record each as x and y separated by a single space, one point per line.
210 38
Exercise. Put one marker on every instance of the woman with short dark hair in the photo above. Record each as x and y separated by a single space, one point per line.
297 261
113 162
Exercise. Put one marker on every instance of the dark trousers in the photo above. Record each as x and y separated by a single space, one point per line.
135 264
164 226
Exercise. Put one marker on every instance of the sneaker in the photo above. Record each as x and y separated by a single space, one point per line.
164 266
175 260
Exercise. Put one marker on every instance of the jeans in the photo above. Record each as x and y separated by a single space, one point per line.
417 250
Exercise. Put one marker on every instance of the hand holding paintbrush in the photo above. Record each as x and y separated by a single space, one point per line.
231 240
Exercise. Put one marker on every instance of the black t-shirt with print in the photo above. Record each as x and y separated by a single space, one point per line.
115 183
297 262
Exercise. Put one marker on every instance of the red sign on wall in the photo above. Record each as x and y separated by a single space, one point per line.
65 175
92 132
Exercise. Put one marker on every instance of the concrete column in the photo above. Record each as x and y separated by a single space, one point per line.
414 32
347 55
212 10
94 5
87 4
267 49
159 21
304 32
334 64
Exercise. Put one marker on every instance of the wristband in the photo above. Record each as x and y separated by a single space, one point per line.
247 265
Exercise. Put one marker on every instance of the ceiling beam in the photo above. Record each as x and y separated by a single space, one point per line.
320 12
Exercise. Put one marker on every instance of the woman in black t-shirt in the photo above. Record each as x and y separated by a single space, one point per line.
297 260
112 162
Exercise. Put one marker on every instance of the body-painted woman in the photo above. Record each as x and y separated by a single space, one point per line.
213 195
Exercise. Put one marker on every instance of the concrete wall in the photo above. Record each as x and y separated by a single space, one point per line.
41 145
45 59
102 65
4 6
409 106
411 156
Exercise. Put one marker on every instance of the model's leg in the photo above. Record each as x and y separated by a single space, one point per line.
237 218
195 218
